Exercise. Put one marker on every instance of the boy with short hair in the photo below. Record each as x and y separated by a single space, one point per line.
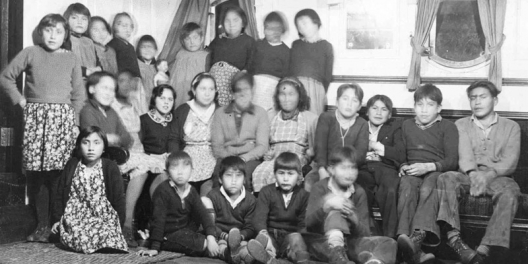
232 209
338 216
431 147
280 215
178 212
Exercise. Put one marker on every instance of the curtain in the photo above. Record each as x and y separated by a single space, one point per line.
249 7
425 16
189 11
492 15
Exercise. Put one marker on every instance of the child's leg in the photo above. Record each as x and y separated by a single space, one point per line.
408 196
295 248
134 188
186 241
156 182
427 210
372 248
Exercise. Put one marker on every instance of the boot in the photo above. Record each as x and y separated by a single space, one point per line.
129 237
338 256
259 253
233 243
411 248
464 252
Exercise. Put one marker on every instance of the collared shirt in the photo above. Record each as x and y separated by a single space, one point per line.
231 108
287 197
486 131
424 127
235 202
183 194
346 194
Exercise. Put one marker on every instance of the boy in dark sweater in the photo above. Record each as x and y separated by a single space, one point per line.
431 147
232 209
279 218
177 213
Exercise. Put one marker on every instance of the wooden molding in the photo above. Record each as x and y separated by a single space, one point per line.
434 80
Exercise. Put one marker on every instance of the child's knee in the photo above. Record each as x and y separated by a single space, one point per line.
207 202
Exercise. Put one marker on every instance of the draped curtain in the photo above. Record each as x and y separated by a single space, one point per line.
249 7
492 15
425 17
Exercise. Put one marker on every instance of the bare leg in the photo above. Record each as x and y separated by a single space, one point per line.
134 188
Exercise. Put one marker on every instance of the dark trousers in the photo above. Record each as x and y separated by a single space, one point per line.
187 241
287 244
41 189
504 192
250 167
381 183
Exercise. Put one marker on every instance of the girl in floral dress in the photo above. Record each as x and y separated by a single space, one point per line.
90 201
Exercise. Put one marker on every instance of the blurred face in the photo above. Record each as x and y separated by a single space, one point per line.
232 180
163 66
233 24
243 95
204 93
378 113
125 82
78 23
348 104
273 31
180 172
288 98
306 26
98 32
147 50
482 102
123 27
104 91
344 173
92 148
193 42
287 179
165 102
53 37
426 110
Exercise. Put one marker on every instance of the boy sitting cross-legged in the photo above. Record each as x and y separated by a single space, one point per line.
280 215
232 209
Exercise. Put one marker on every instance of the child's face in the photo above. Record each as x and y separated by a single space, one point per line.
233 24
273 31
205 92
78 23
193 42
232 180
92 148
98 32
243 95
124 27
426 110
345 173
306 26
378 113
163 66
104 91
180 172
53 37
287 179
482 102
164 102
288 98
348 104
147 50
125 84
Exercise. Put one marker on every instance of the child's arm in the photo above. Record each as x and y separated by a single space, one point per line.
361 144
301 218
450 161
395 151
125 140
250 54
286 62
248 230
329 66
10 74
200 214
218 138
208 62
78 94
321 141
315 214
262 139
260 219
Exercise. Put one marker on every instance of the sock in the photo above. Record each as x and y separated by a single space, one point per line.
335 238
483 250
452 236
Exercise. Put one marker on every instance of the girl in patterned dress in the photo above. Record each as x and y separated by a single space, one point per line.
52 99
90 202
292 129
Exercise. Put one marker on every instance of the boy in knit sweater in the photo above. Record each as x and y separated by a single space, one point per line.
280 215
431 147
232 209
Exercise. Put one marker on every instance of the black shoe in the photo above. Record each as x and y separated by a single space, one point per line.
233 242
129 237
338 256
410 247
464 252
258 251
41 234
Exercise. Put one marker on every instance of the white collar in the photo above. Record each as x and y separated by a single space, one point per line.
185 192
237 201
206 115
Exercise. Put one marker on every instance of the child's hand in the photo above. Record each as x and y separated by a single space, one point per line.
212 246
419 169
55 228
269 155
89 71
76 131
144 235
338 203
479 181
23 103
148 252
403 170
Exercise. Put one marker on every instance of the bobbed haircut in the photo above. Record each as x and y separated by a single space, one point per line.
51 20
143 39
287 161
99 19
341 155
197 80
484 84
120 15
275 17
428 91
95 78
308 12
85 132
176 157
188 29
304 99
238 11
234 163
76 8
382 98
239 77
358 91
157 92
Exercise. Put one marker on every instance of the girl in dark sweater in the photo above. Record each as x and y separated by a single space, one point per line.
123 28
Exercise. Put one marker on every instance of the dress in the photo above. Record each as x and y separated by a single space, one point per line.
90 222
186 66
198 145
223 73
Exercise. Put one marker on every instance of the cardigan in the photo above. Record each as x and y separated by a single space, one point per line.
253 140
176 134
270 59
114 187
126 56
154 136
84 48
272 213
500 150
314 60
237 51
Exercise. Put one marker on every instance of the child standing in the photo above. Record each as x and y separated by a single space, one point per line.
146 53
312 59
232 209
190 60
178 212
162 76
280 214
123 27
230 52
271 61
99 31
52 100
90 201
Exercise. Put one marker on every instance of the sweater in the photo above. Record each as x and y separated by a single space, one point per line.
328 138
114 187
390 136
253 140
437 144
171 214
272 213
126 56
228 217
314 60
84 49
107 57
500 150
50 78
154 136
237 52
271 60
176 134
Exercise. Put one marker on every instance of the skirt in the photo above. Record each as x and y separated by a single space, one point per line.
48 136
264 87
223 73
203 162
317 94
141 163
